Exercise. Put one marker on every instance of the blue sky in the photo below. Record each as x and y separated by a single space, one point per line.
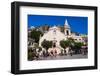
77 24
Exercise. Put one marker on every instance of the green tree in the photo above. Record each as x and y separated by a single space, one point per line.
71 42
36 35
46 44
77 46
64 43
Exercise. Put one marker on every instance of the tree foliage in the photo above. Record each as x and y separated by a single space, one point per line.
78 45
71 43
36 35
64 43
46 44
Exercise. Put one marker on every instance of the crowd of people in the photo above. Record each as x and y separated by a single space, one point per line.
37 54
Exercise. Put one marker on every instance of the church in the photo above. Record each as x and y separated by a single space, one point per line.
56 34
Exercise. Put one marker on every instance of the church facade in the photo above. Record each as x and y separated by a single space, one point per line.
55 35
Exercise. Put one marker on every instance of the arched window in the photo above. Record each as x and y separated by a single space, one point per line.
67 32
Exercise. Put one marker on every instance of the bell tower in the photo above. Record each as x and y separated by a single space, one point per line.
67 28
